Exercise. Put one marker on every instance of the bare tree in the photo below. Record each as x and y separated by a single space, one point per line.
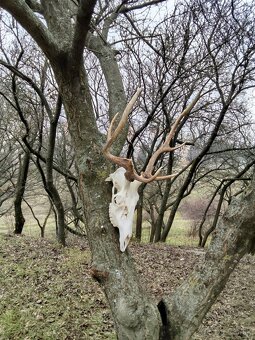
62 30
171 60
19 192
33 98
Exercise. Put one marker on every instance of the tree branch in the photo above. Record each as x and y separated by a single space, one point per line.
24 14
21 75
84 15
126 9
35 6
234 237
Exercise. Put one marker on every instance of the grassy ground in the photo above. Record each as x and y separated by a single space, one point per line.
178 235
47 293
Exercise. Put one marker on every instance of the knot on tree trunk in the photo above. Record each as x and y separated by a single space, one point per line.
99 275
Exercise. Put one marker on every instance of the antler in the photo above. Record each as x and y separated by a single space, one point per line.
127 163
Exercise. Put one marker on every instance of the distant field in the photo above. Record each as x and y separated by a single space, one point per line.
40 205
178 236
31 228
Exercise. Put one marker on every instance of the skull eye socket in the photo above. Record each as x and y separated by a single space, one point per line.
115 191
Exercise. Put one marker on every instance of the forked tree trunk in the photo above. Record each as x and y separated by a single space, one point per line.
232 239
135 316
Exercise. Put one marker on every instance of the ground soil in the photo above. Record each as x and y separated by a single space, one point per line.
46 292
232 317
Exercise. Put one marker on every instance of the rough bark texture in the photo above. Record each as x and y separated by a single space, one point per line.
20 189
233 238
136 317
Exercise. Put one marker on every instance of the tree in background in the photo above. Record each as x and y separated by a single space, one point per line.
29 91
9 161
170 60
67 27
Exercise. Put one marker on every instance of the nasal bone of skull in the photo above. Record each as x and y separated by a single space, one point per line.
124 243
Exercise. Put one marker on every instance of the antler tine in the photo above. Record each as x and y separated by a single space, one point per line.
112 135
109 132
146 176
165 146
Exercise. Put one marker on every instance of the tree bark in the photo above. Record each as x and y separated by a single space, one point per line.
233 238
19 194
139 217
50 186
160 219
135 316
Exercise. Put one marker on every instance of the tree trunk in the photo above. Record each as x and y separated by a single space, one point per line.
20 189
50 186
134 315
139 217
159 223
60 213
154 219
233 238
153 214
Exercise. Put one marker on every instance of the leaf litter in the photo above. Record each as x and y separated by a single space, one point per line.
46 291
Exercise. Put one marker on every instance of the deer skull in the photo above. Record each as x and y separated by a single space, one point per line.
122 206
124 191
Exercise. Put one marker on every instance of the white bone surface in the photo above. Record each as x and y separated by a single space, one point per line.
122 206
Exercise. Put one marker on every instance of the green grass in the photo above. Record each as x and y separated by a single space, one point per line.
42 295
178 235
31 228
46 293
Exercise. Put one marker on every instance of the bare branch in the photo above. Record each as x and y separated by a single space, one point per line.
126 9
21 75
35 6
146 176
21 11
84 15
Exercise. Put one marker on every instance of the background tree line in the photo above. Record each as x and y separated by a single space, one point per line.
165 60
67 68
